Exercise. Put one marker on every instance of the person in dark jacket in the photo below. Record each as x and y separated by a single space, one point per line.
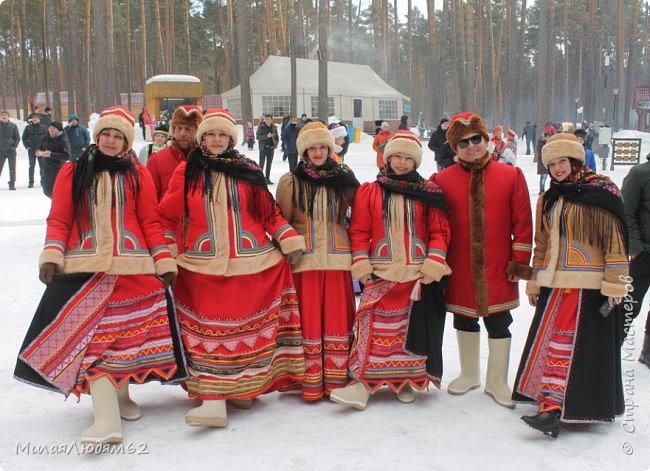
267 136
54 152
289 137
9 140
529 132
636 200
444 156
32 137
78 137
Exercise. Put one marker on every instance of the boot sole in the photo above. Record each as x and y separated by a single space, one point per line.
549 432
131 417
244 404
215 422
354 404
509 404
112 437
460 392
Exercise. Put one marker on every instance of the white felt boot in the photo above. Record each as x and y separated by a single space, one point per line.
129 409
354 395
468 350
209 414
496 381
108 426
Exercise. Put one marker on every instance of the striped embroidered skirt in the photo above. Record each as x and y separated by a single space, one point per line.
241 333
327 313
378 356
88 326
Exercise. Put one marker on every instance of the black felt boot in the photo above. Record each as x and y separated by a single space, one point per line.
546 422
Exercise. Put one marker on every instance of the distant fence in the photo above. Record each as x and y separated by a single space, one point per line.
626 151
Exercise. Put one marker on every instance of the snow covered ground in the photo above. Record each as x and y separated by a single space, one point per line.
39 429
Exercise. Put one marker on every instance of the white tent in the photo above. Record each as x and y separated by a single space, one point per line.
356 93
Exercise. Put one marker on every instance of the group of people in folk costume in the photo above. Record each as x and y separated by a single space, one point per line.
189 271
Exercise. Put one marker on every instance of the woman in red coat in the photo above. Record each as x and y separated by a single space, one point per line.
399 235
315 198
491 223
235 295
104 320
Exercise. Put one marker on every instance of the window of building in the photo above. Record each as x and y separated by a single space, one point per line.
234 106
276 106
314 106
388 109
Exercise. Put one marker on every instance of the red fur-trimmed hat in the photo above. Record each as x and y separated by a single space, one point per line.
512 135
217 119
405 143
189 115
116 117
465 123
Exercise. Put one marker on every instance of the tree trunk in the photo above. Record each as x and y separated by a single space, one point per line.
323 54
243 42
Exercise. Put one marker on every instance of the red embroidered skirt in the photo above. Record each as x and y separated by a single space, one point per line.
327 312
241 333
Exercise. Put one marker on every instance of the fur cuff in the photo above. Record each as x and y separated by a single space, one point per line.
291 244
532 287
361 269
166 265
51 256
613 289
173 249
520 270
434 269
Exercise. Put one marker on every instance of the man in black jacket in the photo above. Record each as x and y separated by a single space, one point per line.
32 136
636 199
267 136
444 155
9 140
54 151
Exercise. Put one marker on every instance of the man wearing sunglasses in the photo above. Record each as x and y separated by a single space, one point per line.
491 241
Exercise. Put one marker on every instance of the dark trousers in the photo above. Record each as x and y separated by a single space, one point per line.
266 155
293 161
495 324
640 273
528 143
32 165
11 158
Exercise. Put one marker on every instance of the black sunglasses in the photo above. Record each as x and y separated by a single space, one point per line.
464 143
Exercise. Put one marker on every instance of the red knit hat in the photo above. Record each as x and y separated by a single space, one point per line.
189 115
116 117
217 119
406 143
465 123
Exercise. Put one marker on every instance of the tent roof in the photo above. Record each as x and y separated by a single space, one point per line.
274 77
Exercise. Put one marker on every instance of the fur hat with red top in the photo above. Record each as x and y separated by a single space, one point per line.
189 115
217 119
463 124
512 135
116 117
405 143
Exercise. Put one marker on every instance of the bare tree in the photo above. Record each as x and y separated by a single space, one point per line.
323 54
244 65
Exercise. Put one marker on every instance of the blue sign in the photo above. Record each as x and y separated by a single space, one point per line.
406 107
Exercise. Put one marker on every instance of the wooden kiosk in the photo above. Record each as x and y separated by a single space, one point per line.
164 93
